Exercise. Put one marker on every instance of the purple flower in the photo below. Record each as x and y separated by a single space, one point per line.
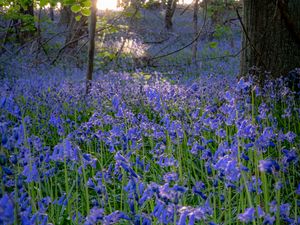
6 210
260 212
116 102
269 220
171 176
290 136
229 167
289 156
196 148
65 151
95 216
183 217
298 189
121 161
268 166
285 210
31 173
198 189
115 217
247 216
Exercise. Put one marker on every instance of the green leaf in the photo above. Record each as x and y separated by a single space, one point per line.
86 12
77 18
69 2
213 44
75 8
87 3
43 3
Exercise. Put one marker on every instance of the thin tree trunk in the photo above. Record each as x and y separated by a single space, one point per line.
51 13
75 30
271 36
91 50
27 26
195 25
65 15
38 34
170 10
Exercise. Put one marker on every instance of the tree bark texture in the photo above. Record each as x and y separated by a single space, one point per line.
91 50
65 15
271 39
26 28
75 30
170 10
195 25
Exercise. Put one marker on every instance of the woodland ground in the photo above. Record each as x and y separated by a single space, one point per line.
169 143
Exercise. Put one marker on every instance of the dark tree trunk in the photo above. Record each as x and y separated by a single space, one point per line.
170 10
91 50
51 13
271 39
195 24
26 25
65 15
75 30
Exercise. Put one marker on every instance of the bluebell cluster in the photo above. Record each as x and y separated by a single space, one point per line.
138 151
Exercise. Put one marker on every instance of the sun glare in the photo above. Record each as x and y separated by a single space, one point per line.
112 4
107 4
188 1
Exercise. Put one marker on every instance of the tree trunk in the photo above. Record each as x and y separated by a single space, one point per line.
271 38
27 26
51 13
170 10
195 25
65 15
91 50
75 30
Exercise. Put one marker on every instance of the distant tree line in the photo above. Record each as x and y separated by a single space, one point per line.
271 28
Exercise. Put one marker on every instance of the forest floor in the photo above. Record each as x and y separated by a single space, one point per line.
167 143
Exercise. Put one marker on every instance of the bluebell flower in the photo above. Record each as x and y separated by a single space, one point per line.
115 217
228 96
285 210
229 167
148 193
116 102
260 212
273 206
31 173
142 220
164 213
171 176
247 216
43 204
89 160
298 189
289 156
165 161
65 151
10 105
95 216
255 185
192 220
290 136
199 188
243 85
183 217
268 166
196 148
121 161
6 210
269 220
62 201
278 185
